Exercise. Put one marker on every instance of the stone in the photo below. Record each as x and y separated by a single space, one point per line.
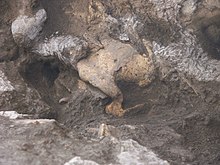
68 49
189 7
133 153
13 115
167 11
212 3
5 84
25 29
79 161
101 69
35 121
136 70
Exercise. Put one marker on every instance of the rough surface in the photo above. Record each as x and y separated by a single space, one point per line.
5 85
25 29
133 153
46 136
68 49
100 70
78 161
67 65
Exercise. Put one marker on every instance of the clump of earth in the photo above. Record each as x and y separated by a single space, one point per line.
110 82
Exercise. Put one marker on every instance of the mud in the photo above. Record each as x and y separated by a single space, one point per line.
175 117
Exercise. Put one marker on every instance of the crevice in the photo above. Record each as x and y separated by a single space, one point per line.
209 36
41 74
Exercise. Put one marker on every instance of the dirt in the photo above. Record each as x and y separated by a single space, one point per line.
179 117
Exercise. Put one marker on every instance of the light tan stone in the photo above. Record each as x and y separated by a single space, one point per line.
138 70
99 68
115 60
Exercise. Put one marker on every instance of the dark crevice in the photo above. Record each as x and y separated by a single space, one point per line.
209 36
41 74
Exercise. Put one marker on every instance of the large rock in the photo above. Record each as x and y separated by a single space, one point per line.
100 70
43 141
68 49
25 29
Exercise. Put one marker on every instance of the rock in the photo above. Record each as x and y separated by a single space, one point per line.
129 152
25 29
37 139
100 69
133 153
5 84
79 161
116 58
169 11
189 7
13 114
127 29
138 70
68 49
35 121
212 3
